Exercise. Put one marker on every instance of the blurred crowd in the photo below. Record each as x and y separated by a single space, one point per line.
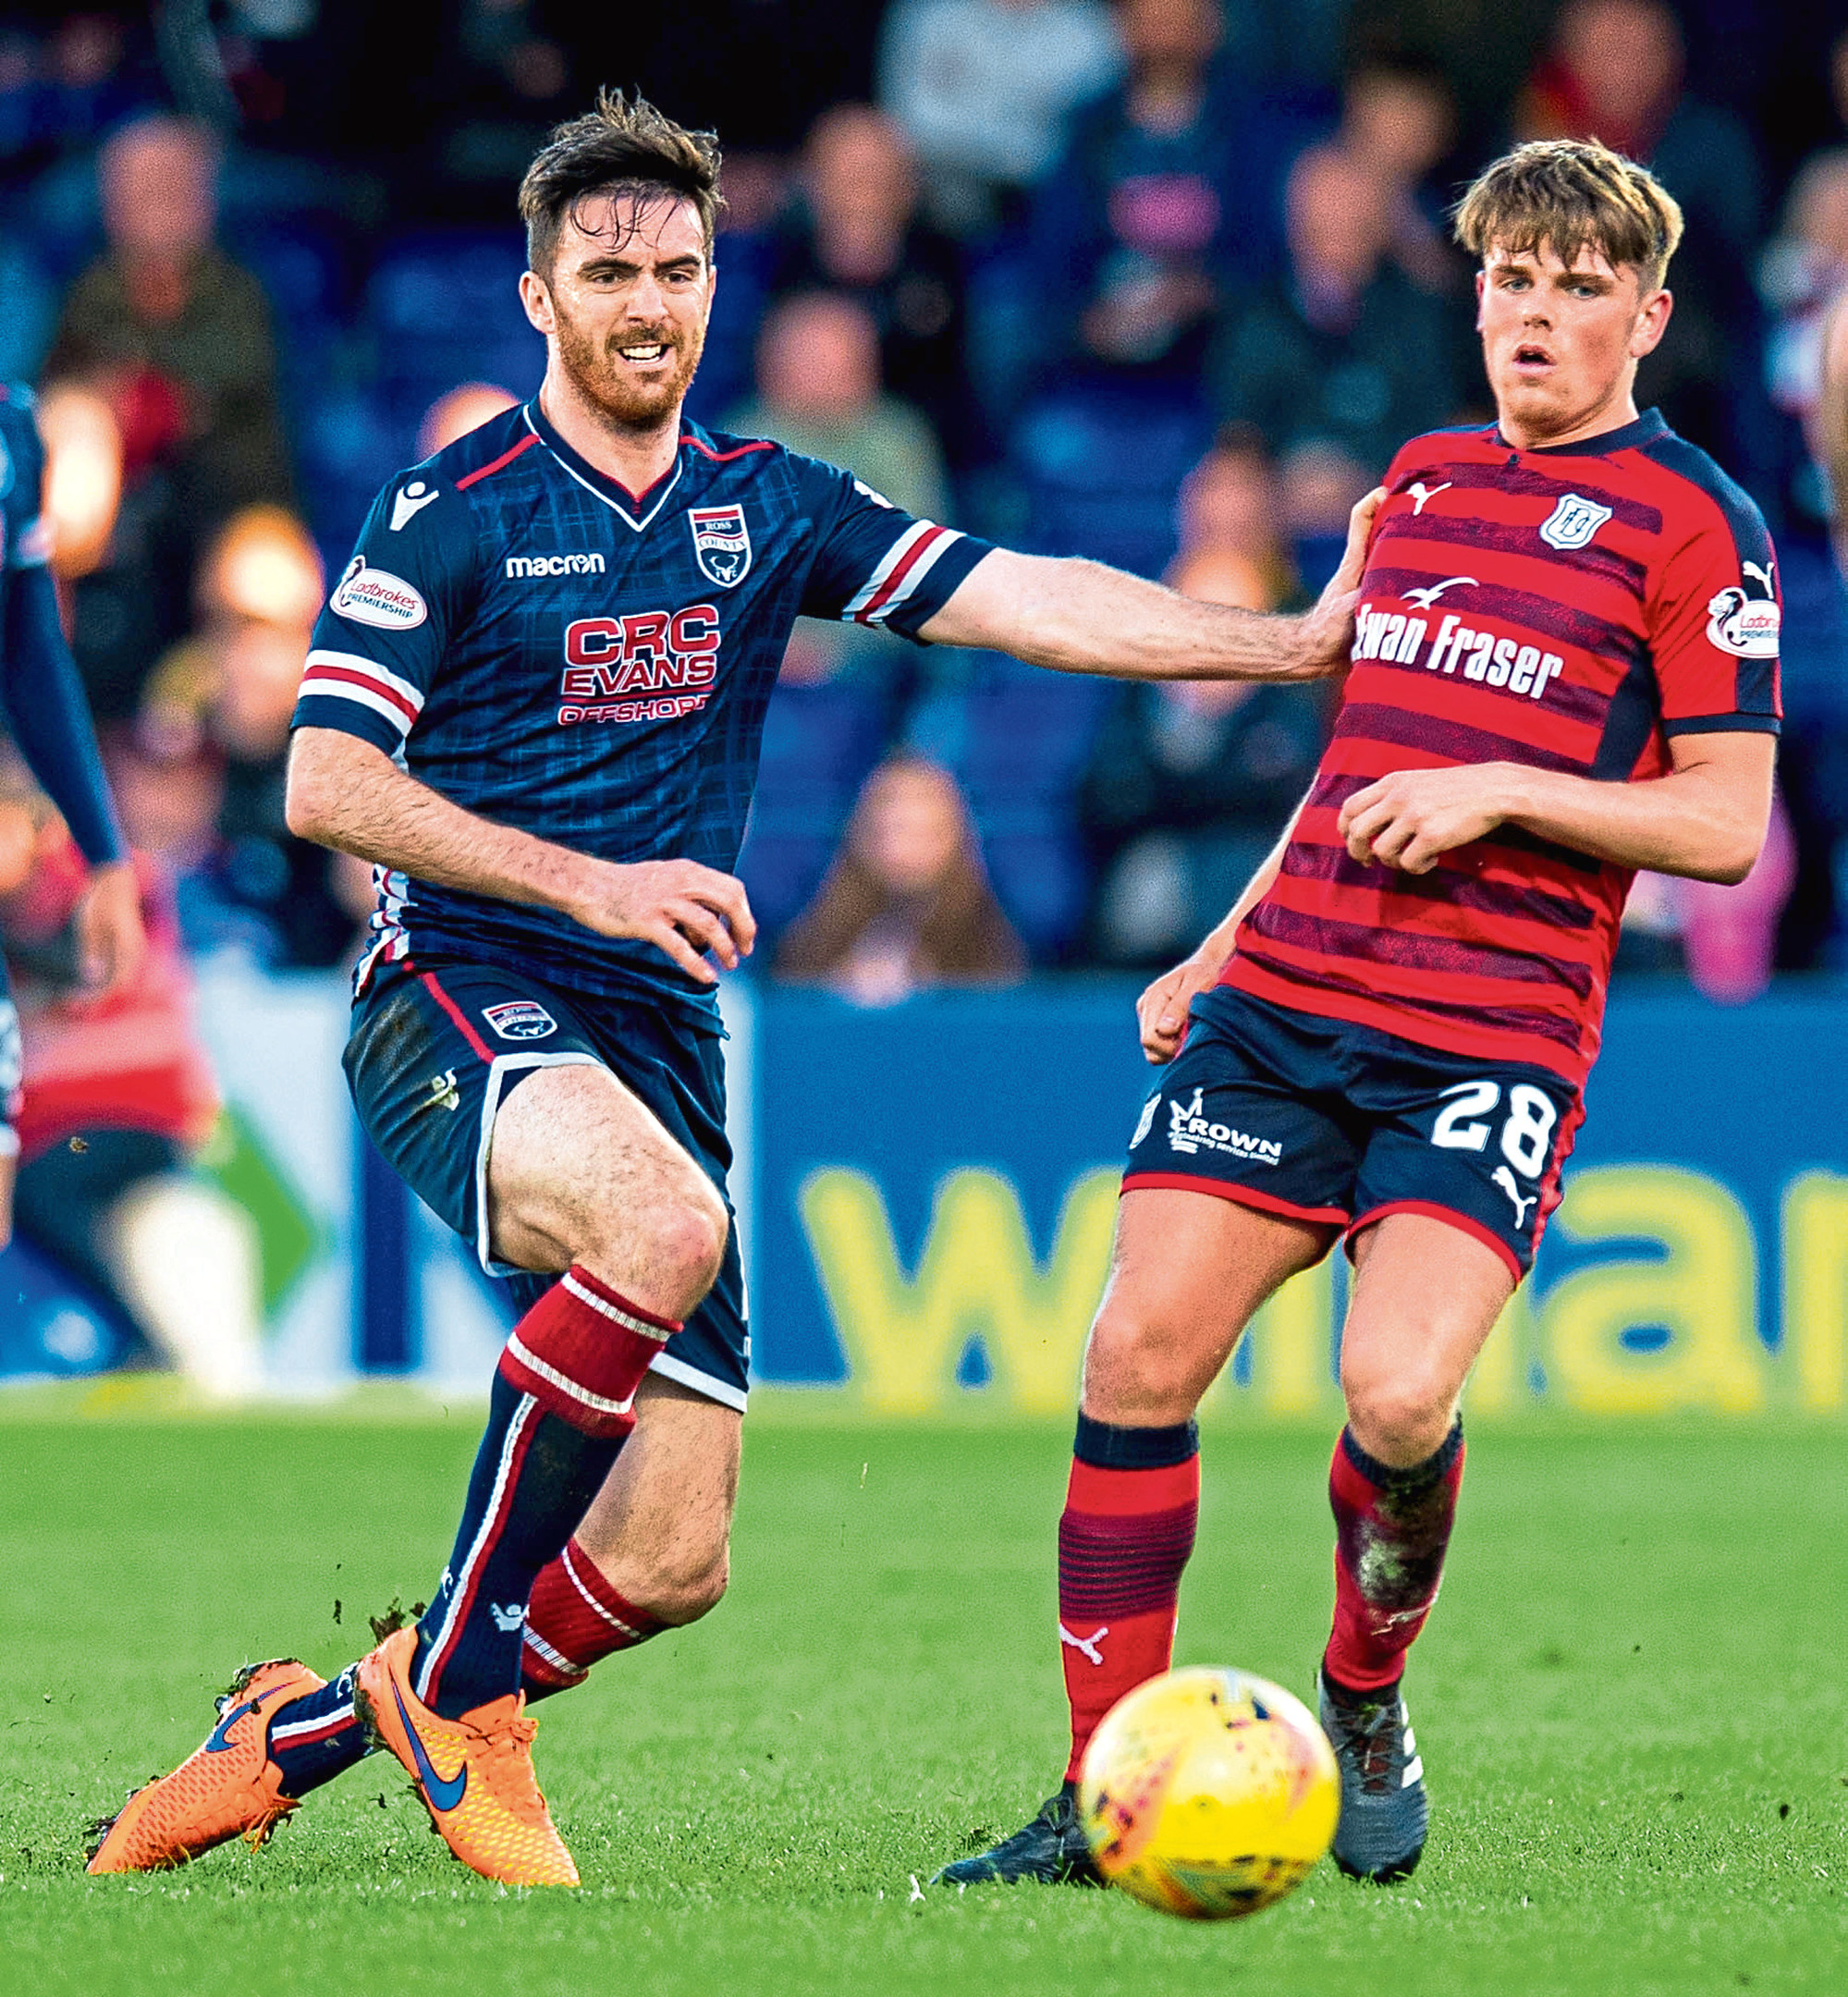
1163 282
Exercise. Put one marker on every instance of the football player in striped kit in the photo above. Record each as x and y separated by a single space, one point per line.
1565 669
535 701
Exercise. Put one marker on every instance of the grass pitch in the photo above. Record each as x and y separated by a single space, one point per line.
1630 1701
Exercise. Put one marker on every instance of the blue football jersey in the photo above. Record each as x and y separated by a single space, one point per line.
546 648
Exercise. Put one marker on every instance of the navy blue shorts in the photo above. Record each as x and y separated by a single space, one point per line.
1338 1124
436 1050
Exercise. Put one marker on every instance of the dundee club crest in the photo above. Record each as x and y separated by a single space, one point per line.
721 544
1572 522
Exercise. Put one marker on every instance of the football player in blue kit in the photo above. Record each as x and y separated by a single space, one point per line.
535 701
42 709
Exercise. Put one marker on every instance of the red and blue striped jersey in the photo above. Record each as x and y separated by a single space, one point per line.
1571 609
555 653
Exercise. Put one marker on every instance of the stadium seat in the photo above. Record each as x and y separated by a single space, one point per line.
1024 737
819 745
444 309
728 368
1101 468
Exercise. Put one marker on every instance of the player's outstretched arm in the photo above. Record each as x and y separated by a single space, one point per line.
1161 1011
1705 820
1081 617
42 698
346 793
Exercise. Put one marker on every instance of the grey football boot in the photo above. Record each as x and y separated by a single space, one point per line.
1051 1849
1385 1814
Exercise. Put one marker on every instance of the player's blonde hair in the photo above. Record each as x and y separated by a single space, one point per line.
624 146
1572 194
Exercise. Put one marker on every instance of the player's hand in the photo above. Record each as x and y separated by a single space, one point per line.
1408 819
1328 630
1161 1011
110 939
685 909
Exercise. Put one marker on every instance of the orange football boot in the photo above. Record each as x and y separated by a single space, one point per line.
487 1808
228 1788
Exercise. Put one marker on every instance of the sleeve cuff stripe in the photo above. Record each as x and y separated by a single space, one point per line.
888 563
381 676
908 573
1723 724
320 684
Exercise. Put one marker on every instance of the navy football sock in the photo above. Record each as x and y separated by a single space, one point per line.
559 1415
316 1738
533 1481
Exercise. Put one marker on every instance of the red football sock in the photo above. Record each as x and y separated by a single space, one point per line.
1123 1540
1391 1529
582 1352
574 1618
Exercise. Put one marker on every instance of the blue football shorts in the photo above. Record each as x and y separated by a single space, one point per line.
433 1052
1339 1125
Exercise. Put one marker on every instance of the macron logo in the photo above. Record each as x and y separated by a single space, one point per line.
518 566
411 502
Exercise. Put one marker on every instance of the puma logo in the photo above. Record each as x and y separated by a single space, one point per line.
1505 1180
1421 492
1086 1646
1764 576
1424 599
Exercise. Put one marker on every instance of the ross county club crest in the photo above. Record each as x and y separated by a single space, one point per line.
721 544
520 1019
1572 522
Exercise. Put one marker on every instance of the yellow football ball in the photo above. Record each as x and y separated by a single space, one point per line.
1208 1793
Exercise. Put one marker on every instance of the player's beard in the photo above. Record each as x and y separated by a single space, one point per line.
595 368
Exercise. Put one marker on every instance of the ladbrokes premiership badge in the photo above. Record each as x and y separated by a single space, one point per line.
721 544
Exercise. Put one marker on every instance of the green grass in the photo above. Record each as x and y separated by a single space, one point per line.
1636 1666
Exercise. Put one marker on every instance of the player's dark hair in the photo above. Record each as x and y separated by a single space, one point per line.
1572 194
624 146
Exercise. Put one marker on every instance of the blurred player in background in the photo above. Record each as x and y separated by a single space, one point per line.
43 707
117 1096
1829 426
535 701
1565 670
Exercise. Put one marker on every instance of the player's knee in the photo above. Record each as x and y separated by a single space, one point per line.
675 1239
689 1583
1400 1421
1138 1373
687 1236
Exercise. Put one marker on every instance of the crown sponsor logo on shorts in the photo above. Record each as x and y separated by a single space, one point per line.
721 544
521 567
1190 1133
1572 522
520 1019
377 597
1745 625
